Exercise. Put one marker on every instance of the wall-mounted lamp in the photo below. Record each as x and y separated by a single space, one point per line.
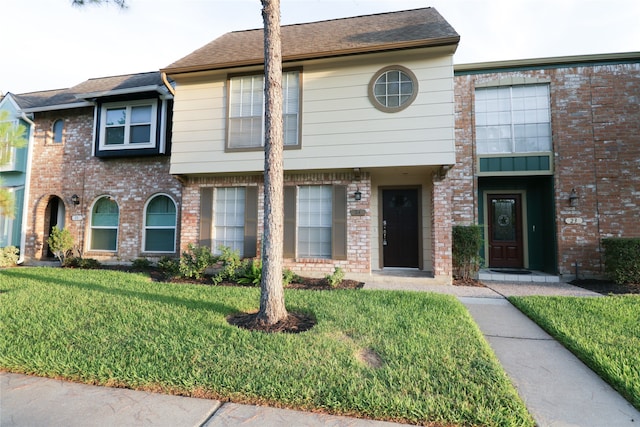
573 197
75 199
357 195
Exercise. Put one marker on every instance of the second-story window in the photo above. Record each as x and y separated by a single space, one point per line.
128 125
513 119
246 111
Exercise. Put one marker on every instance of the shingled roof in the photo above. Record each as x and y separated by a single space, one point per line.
361 34
92 88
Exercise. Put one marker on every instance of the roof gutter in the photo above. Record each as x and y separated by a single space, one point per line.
104 93
25 201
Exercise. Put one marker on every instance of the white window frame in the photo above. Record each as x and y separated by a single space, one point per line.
127 145
290 108
146 227
92 227
217 227
302 223
508 119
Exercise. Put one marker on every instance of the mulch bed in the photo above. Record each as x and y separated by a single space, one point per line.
294 323
607 287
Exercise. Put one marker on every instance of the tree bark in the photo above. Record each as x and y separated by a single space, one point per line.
272 307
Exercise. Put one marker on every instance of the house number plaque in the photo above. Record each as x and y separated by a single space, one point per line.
358 212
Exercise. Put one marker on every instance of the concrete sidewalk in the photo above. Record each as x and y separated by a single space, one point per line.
33 401
557 388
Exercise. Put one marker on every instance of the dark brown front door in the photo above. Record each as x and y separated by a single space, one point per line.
505 230
400 237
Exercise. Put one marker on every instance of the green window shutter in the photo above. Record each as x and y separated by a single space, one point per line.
206 216
289 243
250 221
339 225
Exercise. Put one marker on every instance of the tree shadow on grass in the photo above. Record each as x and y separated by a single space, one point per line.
223 309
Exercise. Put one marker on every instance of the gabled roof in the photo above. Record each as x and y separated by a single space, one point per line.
81 94
361 34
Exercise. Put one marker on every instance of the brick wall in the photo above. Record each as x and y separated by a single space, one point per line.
69 168
595 115
358 227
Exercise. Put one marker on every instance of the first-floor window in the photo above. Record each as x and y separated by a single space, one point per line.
160 225
314 221
105 216
229 218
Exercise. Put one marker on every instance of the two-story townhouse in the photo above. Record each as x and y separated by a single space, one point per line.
369 136
100 168
548 159
14 176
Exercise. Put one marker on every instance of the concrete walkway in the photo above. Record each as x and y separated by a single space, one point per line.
557 388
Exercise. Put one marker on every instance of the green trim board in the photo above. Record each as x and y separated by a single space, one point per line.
537 163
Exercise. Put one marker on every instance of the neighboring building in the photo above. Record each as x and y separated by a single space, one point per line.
14 176
548 159
369 137
100 168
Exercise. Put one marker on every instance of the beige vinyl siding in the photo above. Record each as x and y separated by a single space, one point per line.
340 126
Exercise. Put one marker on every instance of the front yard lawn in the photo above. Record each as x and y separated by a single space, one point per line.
410 357
603 332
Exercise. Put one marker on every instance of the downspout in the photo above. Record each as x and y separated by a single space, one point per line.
27 186
165 80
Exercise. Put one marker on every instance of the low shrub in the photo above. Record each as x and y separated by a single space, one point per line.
141 264
466 244
195 260
170 267
230 264
60 243
288 276
622 259
251 273
9 256
78 262
335 278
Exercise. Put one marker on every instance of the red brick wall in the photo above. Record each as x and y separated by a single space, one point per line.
358 227
595 114
69 168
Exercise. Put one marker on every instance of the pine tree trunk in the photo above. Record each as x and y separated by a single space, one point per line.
272 308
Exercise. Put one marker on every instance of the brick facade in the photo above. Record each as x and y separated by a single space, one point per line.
595 121
64 169
358 227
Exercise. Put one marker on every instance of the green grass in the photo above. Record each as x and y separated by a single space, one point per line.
603 332
121 329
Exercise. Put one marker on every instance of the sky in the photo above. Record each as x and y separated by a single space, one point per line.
49 44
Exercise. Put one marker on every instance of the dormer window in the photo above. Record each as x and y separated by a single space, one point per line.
129 125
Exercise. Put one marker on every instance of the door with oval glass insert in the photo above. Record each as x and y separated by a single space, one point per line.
505 231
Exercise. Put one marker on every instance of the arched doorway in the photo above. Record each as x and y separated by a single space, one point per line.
54 216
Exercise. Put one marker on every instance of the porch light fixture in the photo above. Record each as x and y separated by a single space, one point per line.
357 195
573 197
75 199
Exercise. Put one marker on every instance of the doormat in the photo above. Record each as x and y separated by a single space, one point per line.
509 271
